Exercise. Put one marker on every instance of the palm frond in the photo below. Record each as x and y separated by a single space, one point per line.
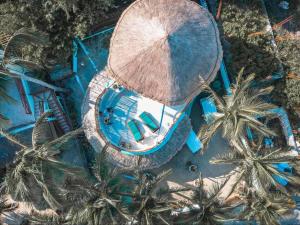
12 138
58 142
36 132
23 37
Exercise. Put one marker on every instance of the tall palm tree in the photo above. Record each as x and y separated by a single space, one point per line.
238 111
27 179
205 207
13 56
266 210
257 166
97 201
151 205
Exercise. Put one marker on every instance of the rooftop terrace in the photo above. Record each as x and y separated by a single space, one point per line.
119 106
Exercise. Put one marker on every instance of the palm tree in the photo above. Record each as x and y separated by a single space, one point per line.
97 201
266 210
205 208
28 178
5 207
151 205
13 56
257 166
238 111
46 219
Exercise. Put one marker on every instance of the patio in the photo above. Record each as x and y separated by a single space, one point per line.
119 106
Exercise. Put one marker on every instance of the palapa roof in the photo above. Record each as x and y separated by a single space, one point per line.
163 49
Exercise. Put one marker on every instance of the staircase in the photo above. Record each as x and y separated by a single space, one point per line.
57 110
50 98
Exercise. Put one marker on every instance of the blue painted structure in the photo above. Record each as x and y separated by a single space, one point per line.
223 69
225 78
98 33
75 65
87 53
193 142
284 168
29 97
209 108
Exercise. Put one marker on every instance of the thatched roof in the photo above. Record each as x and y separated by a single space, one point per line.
96 138
159 48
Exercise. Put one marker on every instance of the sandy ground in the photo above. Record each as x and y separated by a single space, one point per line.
211 174
16 217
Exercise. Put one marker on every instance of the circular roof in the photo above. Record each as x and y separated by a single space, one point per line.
164 49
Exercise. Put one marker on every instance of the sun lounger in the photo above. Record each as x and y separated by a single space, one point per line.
193 142
133 127
209 108
149 121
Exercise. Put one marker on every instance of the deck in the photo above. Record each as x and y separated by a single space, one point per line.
120 106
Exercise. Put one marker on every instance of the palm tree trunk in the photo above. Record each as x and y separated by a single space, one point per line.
33 80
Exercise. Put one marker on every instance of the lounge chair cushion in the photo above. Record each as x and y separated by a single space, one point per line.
149 121
135 130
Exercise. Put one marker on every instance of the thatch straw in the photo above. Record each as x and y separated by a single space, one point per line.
160 48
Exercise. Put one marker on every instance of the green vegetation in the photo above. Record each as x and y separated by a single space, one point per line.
239 21
267 211
28 178
211 210
257 166
61 20
238 111
13 56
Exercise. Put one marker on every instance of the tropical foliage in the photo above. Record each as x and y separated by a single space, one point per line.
61 20
266 210
27 179
13 56
257 166
4 97
240 20
5 206
45 219
151 204
239 110
99 201
206 208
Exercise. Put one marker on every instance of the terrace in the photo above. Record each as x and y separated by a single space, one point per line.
118 106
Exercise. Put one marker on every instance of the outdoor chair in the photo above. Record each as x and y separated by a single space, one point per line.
149 121
134 129
209 108
193 142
